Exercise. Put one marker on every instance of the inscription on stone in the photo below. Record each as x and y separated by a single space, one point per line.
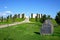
47 28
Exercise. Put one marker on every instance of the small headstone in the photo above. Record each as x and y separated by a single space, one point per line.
47 28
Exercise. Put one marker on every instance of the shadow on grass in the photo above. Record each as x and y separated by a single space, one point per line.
37 33
8 38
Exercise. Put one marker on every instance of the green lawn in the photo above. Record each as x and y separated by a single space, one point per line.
27 31
11 21
32 19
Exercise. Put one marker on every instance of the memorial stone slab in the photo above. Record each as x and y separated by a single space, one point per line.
47 28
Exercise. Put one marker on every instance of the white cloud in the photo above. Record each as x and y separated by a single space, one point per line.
8 12
5 13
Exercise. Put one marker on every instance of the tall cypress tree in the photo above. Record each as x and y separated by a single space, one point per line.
14 17
11 16
31 15
39 16
36 19
18 15
2 19
43 18
57 18
23 15
7 18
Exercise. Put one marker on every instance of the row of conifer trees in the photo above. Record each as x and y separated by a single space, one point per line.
2 19
40 18
44 17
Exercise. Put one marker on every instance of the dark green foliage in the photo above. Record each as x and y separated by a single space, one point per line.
8 38
57 18
2 19
18 15
43 18
7 18
39 15
10 19
36 19
31 15
23 15
48 17
11 16
14 17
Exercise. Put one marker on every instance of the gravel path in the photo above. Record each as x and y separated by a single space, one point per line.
6 25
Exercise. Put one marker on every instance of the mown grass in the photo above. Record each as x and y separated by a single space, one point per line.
53 22
34 20
27 31
11 21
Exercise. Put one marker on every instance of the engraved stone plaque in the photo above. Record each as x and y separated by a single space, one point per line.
47 28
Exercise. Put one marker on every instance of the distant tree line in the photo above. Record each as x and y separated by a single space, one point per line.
37 17
44 17
40 18
57 18
12 18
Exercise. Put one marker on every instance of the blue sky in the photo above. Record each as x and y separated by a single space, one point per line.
49 7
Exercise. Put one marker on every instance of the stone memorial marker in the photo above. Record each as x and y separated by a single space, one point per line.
47 28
